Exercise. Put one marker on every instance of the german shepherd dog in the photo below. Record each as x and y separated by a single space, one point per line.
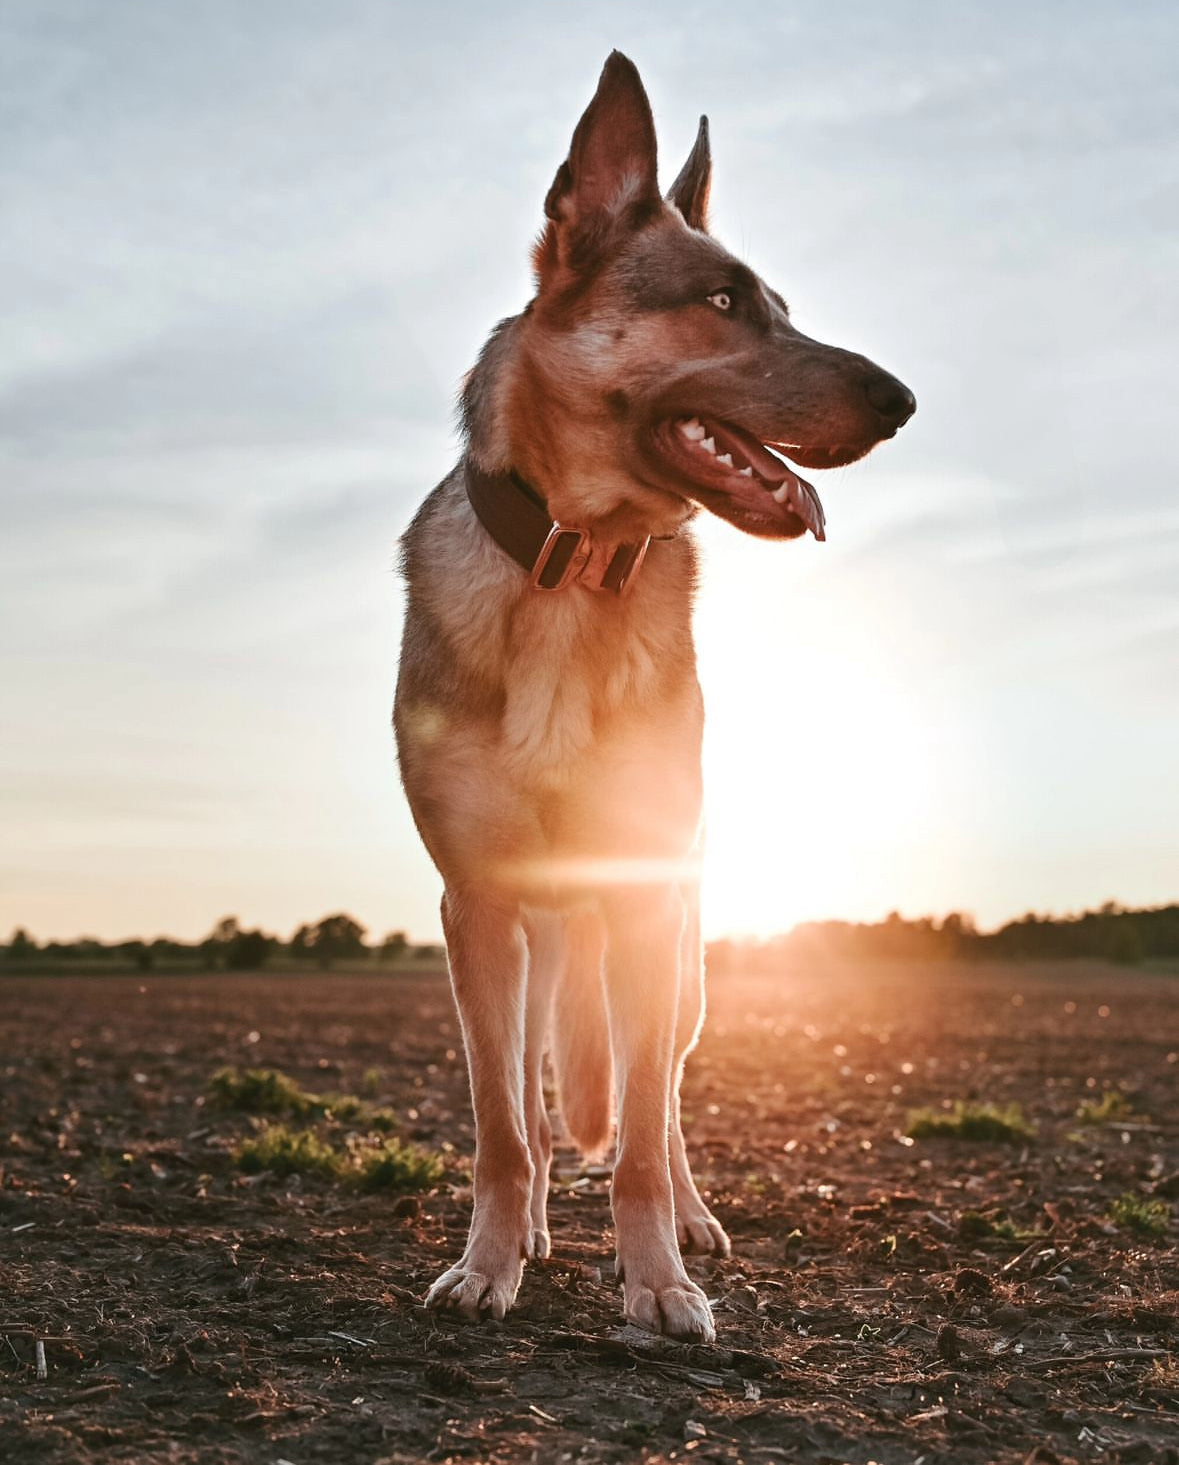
548 714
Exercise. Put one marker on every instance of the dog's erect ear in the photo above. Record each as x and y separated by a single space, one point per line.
609 175
689 192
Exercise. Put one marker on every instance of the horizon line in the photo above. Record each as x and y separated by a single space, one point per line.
1110 906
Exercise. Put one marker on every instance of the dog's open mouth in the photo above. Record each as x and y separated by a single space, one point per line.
734 475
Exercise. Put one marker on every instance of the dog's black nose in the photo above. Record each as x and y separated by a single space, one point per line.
891 398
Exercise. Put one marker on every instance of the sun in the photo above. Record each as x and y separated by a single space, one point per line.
820 765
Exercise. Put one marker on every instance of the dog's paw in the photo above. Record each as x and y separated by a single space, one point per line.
679 1310
475 1293
702 1234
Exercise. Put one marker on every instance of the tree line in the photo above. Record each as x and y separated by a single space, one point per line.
1112 933
229 946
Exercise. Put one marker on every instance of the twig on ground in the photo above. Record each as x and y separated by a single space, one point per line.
1011 1265
96 1391
1106 1355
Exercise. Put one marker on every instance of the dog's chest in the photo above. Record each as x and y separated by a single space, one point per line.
578 669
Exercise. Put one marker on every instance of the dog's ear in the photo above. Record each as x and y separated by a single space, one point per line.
609 178
689 192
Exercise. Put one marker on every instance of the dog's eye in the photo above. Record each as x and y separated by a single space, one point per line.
721 299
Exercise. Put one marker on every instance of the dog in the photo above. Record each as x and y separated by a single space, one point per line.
548 715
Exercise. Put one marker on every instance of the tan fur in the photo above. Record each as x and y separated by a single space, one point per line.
581 1037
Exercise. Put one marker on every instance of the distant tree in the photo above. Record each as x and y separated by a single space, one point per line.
959 934
214 949
137 953
164 949
1122 942
336 938
249 950
299 946
21 946
393 948
225 930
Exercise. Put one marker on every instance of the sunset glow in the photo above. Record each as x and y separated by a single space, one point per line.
221 413
821 763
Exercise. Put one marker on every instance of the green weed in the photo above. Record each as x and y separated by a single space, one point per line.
284 1151
394 1166
369 1164
1112 1105
1144 1217
268 1091
1004 1123
258 1091
975 1226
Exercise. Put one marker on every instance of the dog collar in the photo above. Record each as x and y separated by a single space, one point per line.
552 554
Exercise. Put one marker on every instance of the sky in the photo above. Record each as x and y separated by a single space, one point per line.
248 252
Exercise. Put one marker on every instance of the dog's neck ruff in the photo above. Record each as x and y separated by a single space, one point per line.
553 555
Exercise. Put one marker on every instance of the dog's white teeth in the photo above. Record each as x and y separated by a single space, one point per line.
781 494
692 430
726 459
708 445
745 472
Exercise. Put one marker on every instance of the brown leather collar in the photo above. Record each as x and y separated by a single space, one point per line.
552 554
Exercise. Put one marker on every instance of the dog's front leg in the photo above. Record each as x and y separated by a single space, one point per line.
545 956
697 1228
642 980
485 947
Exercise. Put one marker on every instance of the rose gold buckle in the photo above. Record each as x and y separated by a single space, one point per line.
565 570
625 563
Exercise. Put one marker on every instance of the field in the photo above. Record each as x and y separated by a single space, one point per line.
943 1298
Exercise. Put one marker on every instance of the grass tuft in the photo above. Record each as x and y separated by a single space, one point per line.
284 1151
369 1163
269 1091
1112 1105
348 1109
976 1226
394 1166
1144 1217
1004 1123
258 1091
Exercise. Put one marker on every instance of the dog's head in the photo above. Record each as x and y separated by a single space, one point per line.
673 367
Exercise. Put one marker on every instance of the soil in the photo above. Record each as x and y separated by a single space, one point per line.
188 1312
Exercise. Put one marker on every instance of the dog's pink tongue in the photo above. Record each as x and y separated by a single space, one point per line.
792 493
801 499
